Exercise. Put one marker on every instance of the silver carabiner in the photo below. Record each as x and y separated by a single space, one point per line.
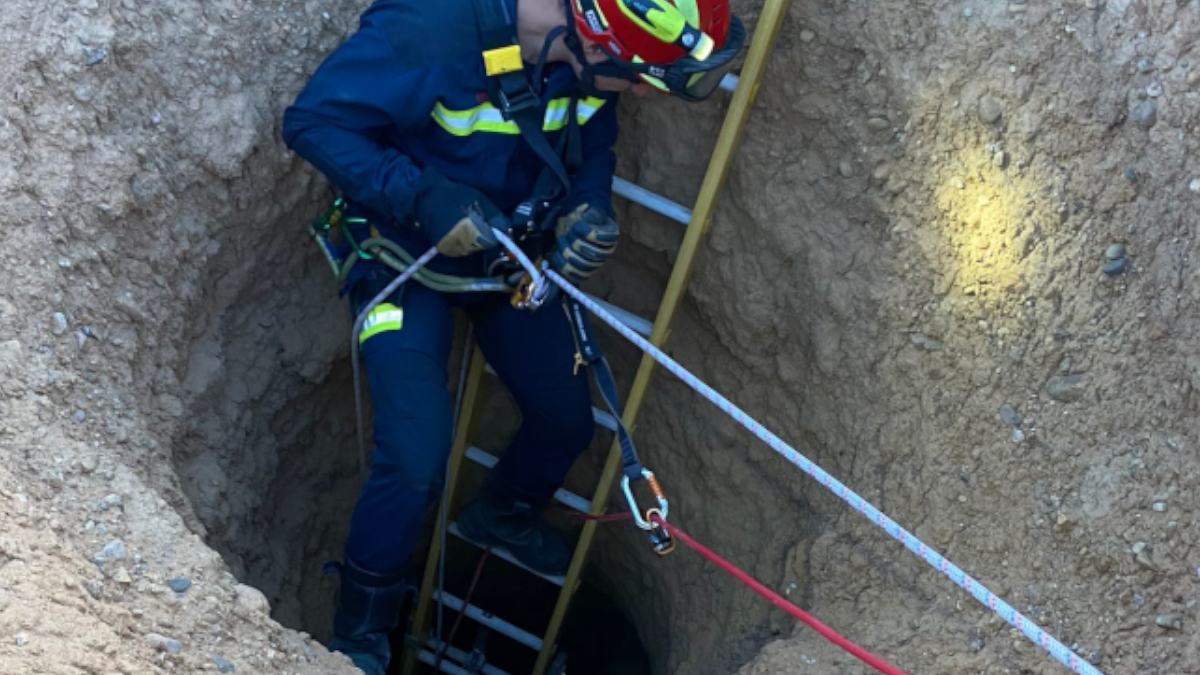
642 520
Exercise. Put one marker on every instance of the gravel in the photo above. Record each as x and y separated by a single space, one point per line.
1144 114
113 550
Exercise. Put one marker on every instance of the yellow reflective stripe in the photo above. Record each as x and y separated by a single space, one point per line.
690 11
485 117
383 317
664 22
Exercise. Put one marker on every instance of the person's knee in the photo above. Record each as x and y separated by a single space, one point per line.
570 424
412 414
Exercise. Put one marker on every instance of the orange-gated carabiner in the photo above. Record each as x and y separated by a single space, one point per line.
659 537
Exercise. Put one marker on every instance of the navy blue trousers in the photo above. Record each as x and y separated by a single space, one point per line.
534 355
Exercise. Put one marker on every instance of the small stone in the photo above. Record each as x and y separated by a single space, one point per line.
58 323
1194 185
163 643
1168 621
81 338
21 640
990 110
878 123
1018 436
122 577
179 584
251 599
109 501
895 185
1154 89
1000 159
1063 522
846 169
1130 174
78 416
1115 252
89 463
223 665
1145 65
1144 114
1159 507
94 55
1142 555
807 36
113 550
94 588
1114 267
968 12
1009 415
1065 388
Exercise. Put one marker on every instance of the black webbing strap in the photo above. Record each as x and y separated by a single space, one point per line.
606 384
511 92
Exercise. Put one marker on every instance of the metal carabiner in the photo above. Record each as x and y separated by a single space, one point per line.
528 294
640 519
660 538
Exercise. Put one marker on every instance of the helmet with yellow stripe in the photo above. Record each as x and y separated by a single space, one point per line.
683 47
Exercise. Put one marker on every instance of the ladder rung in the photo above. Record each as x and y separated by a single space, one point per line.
655 202
503 554
490 620
460 656
446 666
569 499
637 323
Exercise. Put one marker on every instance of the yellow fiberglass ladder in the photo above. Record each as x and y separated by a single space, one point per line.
423 648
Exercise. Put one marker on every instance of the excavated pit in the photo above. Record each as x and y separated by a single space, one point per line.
905 278
270 466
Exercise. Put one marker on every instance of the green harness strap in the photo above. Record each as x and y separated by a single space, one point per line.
389 253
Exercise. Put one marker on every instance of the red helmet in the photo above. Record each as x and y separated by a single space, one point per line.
653 31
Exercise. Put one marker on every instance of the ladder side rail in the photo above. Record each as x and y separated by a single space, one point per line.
466 426
714 179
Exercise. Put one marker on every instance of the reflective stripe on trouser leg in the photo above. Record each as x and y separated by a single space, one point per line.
383 317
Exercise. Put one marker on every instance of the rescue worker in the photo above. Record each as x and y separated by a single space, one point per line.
421 119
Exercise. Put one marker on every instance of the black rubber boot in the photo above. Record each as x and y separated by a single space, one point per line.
368 609
515 525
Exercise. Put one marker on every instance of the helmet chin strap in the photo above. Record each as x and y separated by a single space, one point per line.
590 71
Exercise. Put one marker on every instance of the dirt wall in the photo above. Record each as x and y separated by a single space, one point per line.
904 279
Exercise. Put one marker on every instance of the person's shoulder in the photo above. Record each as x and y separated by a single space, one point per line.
441 32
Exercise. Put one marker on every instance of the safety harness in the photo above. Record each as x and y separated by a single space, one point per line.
516 96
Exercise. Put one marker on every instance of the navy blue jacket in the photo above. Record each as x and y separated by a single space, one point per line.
407 92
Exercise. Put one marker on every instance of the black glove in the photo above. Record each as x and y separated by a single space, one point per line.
458 219
587 238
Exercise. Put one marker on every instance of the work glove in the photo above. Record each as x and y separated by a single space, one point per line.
457 218
586 239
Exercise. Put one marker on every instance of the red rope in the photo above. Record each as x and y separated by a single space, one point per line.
773 597
462 612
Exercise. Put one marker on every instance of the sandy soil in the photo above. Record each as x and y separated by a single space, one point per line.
904 279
